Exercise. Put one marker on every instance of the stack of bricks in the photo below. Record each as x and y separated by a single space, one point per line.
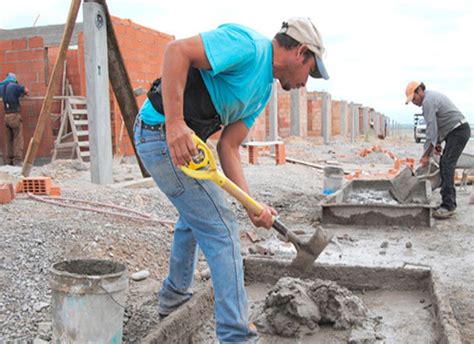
7 193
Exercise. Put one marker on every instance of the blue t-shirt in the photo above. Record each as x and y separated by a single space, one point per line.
240 80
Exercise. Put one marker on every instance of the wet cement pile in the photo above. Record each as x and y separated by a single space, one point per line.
295 307
370 197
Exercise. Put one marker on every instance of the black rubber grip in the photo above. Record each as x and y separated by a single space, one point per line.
280 227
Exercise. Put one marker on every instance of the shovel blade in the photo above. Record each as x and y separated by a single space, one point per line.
308 252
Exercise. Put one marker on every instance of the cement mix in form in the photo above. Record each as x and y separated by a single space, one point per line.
404 305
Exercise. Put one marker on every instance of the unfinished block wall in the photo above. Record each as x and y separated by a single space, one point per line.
284 112
28 59
314 114
33 62
336 127
302 112
260 129
142 50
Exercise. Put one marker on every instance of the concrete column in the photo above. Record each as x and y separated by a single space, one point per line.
325 118
97 86
295 113
365 120
356 119
273 125
354 125
377 123
343 105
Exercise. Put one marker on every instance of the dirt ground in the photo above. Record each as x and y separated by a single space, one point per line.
34 235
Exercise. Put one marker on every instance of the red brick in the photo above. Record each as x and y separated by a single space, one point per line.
55 191
7 194
5 68
397 164
35 185
6 45
35 42
19 44
37 89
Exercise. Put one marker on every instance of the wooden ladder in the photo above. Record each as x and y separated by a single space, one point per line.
73 134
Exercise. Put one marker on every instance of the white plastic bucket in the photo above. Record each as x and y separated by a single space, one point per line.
332 179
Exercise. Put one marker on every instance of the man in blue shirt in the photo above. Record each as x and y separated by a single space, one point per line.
220 79
11 77
11 94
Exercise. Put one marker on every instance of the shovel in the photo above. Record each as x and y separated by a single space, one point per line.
203 166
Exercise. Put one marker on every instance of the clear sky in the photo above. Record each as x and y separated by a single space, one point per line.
374 48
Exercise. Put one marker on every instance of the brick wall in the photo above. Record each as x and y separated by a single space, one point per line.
27 58
260 129
314 114
143 51
336 117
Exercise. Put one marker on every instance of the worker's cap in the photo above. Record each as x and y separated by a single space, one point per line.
304 31
410 91
11 77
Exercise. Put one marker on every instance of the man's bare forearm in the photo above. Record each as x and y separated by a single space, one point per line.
428 151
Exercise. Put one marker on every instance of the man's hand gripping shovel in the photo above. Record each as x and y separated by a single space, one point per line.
203 166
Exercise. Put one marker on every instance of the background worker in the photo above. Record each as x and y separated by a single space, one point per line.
11 77
221 79
11 94
444 122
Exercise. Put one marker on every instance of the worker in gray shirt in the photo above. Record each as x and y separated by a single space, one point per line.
444 123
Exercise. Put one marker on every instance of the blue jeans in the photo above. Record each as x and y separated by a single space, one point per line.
206 220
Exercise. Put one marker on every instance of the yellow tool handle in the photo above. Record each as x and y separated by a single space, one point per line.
247 201
195 169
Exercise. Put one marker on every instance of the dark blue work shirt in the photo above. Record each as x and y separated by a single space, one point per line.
11 97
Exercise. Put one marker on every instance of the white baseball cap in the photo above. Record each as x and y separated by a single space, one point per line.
304 31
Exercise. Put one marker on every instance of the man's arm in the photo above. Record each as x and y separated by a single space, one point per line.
25 91
228 149
425 158
429 114
179 56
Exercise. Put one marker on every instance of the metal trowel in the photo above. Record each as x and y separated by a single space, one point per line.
203 166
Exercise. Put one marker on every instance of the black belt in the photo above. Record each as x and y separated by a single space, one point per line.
156 127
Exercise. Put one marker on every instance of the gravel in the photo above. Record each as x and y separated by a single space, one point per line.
35 235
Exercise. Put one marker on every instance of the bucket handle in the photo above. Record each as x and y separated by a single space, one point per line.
111 296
